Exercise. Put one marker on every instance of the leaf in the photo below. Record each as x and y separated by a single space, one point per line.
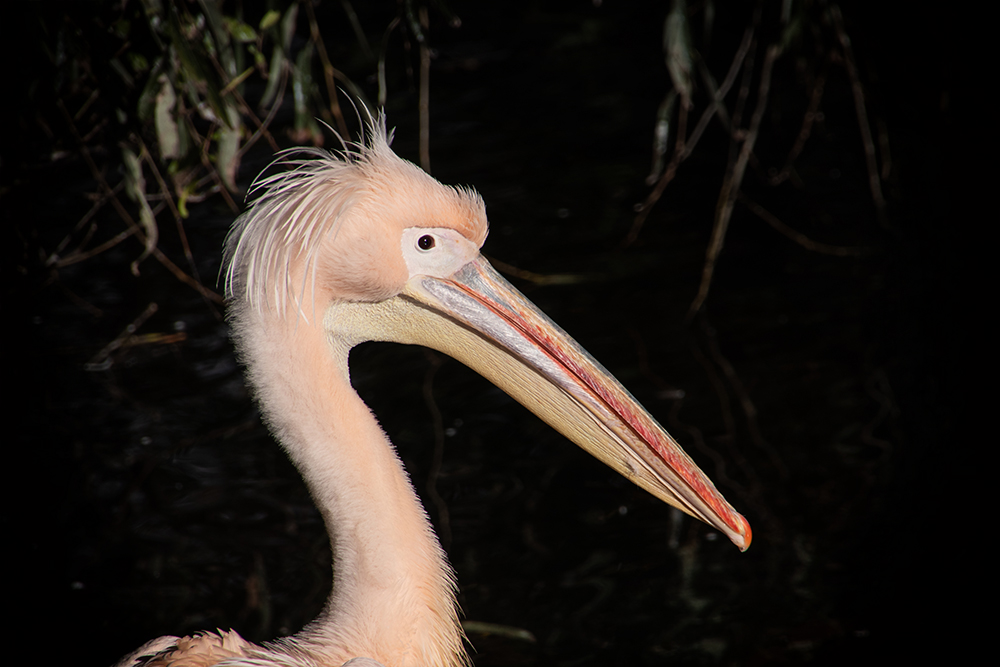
288 27
274 76
240 31
259 59
677 48
121 28
167 135
147 100
302 84
135 186
182 199
229 149
193 66
138 62
270 18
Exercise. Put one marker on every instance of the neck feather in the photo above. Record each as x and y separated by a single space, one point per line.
393 597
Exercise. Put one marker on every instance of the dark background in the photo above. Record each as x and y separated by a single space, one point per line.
146 498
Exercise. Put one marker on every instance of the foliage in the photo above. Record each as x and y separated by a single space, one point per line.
185 89
813 35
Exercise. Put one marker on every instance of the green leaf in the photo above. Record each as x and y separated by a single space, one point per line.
138 62
182 200
274 76
229 149
272 17
677 49
288 27
259 59
167 136
194 66
121 28
302 84
240 31
147 100
135 187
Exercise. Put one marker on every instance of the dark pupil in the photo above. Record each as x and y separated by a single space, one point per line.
425 242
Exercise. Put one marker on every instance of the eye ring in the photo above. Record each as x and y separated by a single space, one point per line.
426 242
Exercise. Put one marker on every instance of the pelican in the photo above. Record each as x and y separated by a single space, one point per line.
361 245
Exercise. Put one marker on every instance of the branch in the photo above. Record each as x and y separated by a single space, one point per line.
859 107
731 184
688 146
798 237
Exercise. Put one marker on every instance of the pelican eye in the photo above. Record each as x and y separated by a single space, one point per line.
425 242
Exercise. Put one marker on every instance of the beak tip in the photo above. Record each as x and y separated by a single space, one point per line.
744 535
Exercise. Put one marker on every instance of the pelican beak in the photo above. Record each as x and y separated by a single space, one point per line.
480 319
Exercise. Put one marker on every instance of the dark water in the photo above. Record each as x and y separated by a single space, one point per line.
148 499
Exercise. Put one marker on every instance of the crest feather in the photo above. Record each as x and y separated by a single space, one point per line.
299 208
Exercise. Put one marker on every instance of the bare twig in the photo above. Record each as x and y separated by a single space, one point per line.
717 107
127 218
718 95
425 94
101 361
883 144
689 144
233 90
746 403
79 256
262 126
541 279
734 176
812 112
661 135
874 183
798 237
94 94
178 218
359 33
206 161
54 259
235 81
383 92
328 71
497 630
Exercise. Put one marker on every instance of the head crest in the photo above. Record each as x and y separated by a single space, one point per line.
298 209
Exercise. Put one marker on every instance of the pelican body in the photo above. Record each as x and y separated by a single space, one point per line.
360 246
